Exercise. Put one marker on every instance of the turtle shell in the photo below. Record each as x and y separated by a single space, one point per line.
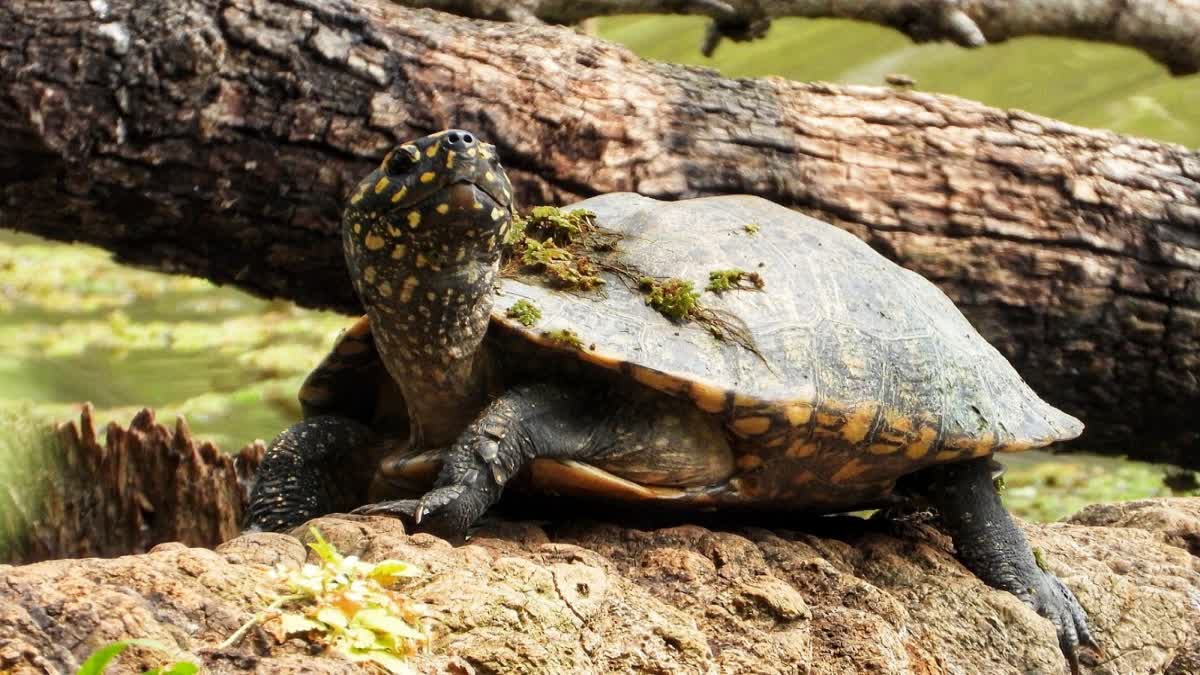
861 372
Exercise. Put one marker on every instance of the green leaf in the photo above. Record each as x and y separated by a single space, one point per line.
379 620
298 623
98 661
387 571
323 548
333 617
361 638
393 664
181 668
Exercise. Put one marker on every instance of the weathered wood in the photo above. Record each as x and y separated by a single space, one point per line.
223 147
1166 30
144 485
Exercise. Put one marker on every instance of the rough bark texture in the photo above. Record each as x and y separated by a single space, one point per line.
591 598
1167 30
223 147
144 485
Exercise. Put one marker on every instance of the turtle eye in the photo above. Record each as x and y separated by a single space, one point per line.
401 160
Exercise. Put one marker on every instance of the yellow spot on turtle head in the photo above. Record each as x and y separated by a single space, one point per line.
357 228
489 176
410 284
428 176
471 152
369 275
381 185
433 150
358 196
399 251
414 218
443 208
374 242
400 194
385 289
450 159
497 213
477 206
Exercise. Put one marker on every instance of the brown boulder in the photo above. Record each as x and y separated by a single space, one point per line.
876 597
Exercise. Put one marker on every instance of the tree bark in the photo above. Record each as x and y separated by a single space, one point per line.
219 139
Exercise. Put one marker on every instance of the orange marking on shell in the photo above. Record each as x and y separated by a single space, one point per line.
708 398
749 462
656 379
920 447
751 426
858 423
945 455
802 478
798 414
351 347
849 471
315 394
801 448
883 448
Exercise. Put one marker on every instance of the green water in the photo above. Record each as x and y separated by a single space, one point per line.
1090 84
76 327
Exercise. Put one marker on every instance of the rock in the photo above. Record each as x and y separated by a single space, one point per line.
870 596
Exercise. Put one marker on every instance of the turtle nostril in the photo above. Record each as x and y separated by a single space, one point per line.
459 140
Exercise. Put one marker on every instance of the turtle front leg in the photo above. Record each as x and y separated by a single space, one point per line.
526 422
989 543
313 468
644 438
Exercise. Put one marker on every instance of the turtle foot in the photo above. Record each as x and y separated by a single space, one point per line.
446 511
1051 598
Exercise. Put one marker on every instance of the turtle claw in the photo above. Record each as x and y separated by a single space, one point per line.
1051 598
448 511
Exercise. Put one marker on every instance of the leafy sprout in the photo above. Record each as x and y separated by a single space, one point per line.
347 606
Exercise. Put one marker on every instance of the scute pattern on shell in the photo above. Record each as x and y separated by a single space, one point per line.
868 371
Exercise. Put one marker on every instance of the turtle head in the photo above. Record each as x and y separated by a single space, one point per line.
447 188
422 235
434 206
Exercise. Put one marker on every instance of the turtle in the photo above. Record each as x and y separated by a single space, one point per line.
861 384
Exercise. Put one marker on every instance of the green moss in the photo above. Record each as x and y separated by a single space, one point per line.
525 312
673 298
720 281
553 243
750 228
1039 558
565 338
564 227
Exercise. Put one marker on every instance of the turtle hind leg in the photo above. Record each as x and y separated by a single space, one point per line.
989 543
316 466
642 437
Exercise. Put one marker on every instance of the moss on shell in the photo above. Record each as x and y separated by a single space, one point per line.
720 281
524 312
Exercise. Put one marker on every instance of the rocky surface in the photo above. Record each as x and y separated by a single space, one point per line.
847 596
